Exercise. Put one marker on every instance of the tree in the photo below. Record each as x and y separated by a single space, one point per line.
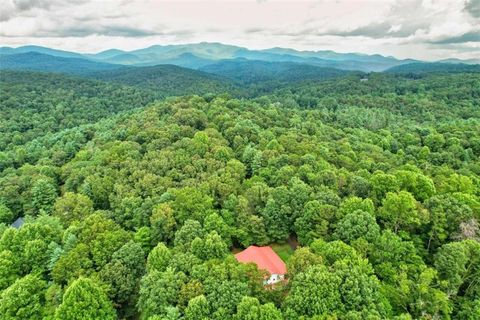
212 247
158 291
226 295
301 260
451 264
189 290
314 293
102 236
468 310
159 258
6 215
73 264
434 141
457 266
333 251
214 222
191 203
399 210
187 233
250 228
122 274
143 236
422 298
352 204
251 309
446 216
163 223
8 269
419 185
360 289
44 193
382 183
315 222
72 206
84 299
355 225
35 255
283 207
24 299
198 309
390 253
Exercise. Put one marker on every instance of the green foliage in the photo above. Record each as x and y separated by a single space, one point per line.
446 216
40 104
24 299
122 274
191 230
6 215
315 222
198 309
163 223
251 309
314 292
72 207
167 80
43 196
132 211
8 269
158 291
84 299
159 258
400 211
355 225
212 247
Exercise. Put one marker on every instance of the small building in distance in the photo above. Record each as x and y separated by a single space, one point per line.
265 259
18 223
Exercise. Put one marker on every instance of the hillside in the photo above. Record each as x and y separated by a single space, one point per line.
34 104
421 67
140 212
167 80
35 61
253 71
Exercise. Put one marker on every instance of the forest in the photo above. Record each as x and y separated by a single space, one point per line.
136 186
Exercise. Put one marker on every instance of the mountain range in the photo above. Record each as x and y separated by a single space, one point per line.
199 55
214 65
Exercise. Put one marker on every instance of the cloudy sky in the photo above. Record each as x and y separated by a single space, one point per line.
422 29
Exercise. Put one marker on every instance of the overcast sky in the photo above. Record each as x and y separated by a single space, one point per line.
422 29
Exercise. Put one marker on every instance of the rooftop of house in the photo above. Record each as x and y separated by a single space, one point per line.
18 223
265 259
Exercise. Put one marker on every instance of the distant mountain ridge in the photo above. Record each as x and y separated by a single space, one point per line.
161 79
202 54
199 55
234 62
39 49
36 61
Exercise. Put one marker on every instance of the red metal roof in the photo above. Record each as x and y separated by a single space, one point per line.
264 257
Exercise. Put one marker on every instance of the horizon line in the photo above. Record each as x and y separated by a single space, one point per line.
232 45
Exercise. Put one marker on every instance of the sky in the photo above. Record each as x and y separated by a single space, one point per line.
420 29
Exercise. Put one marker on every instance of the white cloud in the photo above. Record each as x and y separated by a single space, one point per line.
428 29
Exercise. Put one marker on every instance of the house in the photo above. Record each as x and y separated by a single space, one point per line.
265 259
18 223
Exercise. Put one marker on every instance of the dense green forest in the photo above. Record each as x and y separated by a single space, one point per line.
36 104
133 203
